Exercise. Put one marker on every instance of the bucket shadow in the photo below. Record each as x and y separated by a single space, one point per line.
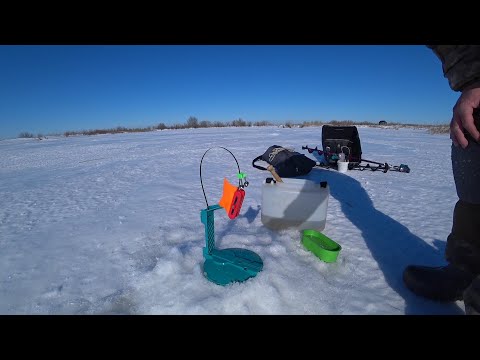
251 214
391 244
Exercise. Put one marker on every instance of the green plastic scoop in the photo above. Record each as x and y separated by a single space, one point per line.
321 245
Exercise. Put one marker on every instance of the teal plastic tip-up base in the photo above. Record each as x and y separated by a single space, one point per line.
226 265
231 265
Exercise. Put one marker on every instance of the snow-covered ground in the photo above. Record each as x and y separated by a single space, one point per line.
110 224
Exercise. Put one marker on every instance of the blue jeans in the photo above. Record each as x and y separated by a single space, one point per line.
463 243
466 172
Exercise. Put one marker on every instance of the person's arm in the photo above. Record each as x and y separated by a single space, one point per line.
461 66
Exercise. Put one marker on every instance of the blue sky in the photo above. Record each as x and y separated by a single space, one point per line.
48 89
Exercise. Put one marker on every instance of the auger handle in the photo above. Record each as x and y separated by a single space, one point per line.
274 173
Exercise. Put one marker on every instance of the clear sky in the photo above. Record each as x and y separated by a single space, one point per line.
48 89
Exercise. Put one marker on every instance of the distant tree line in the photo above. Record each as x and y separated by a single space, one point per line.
28 135
193 123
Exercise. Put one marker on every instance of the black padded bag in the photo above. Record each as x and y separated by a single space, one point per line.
287 163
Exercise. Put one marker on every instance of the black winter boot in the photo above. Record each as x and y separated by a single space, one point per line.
445 283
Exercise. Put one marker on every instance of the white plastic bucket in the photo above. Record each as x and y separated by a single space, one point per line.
295 203
342 166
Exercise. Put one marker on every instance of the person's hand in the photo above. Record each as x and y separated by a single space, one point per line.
462 119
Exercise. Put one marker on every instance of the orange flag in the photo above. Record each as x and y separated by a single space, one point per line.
227 196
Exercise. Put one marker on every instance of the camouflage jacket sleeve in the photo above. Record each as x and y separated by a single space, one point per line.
460 63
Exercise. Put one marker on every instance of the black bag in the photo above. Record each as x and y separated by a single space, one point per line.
287 163
338 139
